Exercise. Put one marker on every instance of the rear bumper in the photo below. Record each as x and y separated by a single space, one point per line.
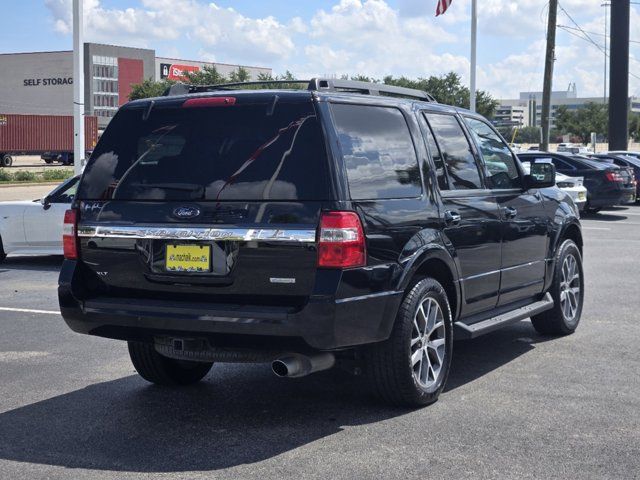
607 198
324 323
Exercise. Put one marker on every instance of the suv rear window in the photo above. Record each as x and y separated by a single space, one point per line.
378 152
240 152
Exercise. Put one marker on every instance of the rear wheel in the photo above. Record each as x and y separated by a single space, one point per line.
161 370
411 367
6 160
2 254
567 291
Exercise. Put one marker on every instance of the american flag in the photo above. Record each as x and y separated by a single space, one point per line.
442 6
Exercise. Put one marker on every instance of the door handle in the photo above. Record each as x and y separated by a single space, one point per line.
451 218
510 212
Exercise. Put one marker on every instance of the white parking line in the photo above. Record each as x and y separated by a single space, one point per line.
595 228
29 310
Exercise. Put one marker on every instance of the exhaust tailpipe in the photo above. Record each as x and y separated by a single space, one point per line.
298 365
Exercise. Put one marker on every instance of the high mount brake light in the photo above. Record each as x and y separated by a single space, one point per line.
209 102
70 235
341 241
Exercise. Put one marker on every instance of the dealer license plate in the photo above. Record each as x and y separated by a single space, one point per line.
188 258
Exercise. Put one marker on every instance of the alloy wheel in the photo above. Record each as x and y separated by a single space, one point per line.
428 339
570 288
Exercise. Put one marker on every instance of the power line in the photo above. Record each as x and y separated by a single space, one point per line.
600 48
593 33
585 36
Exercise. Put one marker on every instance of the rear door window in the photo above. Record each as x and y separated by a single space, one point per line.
459 160
240 152
378 152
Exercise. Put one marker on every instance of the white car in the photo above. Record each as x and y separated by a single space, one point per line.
574 186
35 227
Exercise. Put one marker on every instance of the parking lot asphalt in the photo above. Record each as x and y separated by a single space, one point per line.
517 405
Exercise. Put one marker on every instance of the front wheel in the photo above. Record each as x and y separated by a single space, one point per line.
567 291
6 160
411 367
161 370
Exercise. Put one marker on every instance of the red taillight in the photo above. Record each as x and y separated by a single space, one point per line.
613 177
70 235
341 241
209 102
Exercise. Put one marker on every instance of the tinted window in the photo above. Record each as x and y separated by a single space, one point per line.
460 163
437 160
378 152
240 152
501 169
562 165
65 192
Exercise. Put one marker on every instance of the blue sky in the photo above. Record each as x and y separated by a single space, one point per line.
373 37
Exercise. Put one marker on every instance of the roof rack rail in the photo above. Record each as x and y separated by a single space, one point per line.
315 84
368 88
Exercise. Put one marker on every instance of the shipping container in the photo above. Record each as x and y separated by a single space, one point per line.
41 134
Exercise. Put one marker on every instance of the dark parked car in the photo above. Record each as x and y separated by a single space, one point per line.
629 162
606 185
338 224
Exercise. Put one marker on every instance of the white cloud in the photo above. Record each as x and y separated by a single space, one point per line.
367 37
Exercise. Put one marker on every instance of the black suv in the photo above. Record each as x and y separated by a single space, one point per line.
349 223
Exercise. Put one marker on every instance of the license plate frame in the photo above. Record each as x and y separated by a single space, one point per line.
187 258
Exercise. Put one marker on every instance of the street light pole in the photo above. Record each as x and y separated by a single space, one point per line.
78 87
474 34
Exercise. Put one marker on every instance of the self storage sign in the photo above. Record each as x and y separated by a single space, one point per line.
44 82
175 71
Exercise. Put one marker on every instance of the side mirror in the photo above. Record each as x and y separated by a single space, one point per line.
541 175
46 203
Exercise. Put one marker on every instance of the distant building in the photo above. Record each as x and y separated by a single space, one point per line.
42 82
511 116
531 104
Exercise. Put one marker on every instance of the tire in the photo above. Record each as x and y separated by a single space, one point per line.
564 317
160 370
48 161
3 255
7 160
391 365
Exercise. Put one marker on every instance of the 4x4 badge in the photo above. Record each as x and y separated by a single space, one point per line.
186 212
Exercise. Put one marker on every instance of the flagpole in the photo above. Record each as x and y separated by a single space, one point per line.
474 32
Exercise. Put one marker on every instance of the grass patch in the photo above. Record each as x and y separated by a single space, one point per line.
56 174
26 176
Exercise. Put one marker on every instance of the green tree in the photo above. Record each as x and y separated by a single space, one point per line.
634 126
448 89
149 88
240 75
593 117
209 75
528 135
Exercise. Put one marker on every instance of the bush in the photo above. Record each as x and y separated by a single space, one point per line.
24 176
56 174
5 176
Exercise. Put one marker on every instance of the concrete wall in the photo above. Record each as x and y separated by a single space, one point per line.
37 83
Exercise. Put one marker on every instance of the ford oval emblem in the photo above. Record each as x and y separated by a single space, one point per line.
186 212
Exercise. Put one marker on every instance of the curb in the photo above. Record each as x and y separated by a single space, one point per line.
29 184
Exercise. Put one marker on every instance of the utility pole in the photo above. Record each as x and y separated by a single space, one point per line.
619 75
548 73
78 87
